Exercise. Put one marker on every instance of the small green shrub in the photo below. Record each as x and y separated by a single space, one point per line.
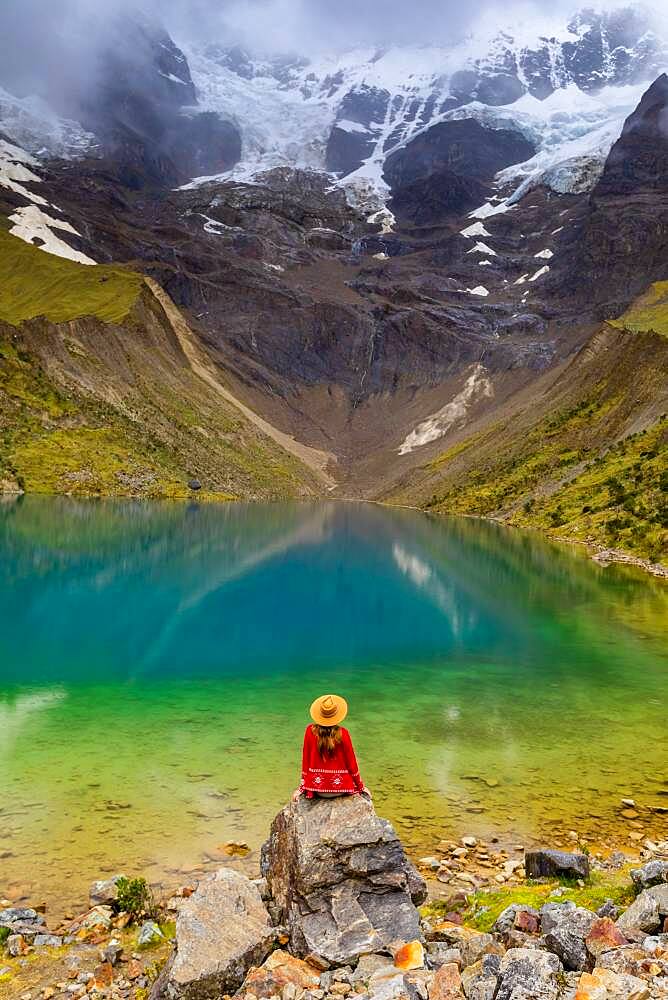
134 896
4 934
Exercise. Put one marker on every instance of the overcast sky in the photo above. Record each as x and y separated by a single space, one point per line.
59 41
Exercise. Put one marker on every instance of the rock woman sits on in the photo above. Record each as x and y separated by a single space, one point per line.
329 765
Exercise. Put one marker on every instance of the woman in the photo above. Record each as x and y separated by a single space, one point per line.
329 766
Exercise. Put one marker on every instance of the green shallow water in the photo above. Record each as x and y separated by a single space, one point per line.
157 662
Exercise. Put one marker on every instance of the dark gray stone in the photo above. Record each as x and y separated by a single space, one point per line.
505 922
340 875
565 927
556 864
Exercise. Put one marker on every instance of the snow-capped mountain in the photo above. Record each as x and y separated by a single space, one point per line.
566 87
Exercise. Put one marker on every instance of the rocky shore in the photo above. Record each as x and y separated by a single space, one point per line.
338 910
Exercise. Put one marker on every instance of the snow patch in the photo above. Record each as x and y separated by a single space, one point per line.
348 126
31 222
476 387
484 263
544 254
488 209
478 290
14 173
477 229
482 248
539 273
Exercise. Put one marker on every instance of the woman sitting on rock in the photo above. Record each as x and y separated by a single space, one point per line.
329 766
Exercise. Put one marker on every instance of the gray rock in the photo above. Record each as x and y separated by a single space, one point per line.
441 953
47 941
505 922
529 974
15 945
646 911
20 915
112 952
221 931
104 891
367 965
608 909
149 934
556 864
480 981
387 983
565 927
341 879
653 873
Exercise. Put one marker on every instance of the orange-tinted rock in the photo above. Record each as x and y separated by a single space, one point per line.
602 984
447 983
409 956
603 936
134 970
280 969
103 975
526 922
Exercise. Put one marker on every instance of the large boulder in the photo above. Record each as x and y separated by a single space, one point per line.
556 864
651 873
340 879
529 974
565 928
221 931
647 911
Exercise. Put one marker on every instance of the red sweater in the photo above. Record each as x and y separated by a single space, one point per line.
338 773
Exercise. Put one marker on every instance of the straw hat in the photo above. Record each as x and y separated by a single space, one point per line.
329 710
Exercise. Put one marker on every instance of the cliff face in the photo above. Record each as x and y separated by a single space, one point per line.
622 243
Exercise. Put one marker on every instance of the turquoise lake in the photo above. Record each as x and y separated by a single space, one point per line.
157 661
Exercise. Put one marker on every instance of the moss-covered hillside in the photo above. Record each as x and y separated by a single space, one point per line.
586 457
98 397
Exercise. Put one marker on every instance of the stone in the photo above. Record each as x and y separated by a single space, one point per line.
529 974
527 922
505 921
627 960
16 945
387 983
134 970
409 956
646 911
112 952
104 892
608 909
471 944
221 931
601 984
367 965
603 935
565 928
441 953
98 918
149 935
652 873
103 975
480 981
447 983
469 842
556 864
47 941
194 484
19 915
340 878
280 969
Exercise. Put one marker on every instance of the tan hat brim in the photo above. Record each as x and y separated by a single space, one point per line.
322 717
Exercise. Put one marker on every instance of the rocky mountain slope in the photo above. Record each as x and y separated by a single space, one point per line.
102 392
398 255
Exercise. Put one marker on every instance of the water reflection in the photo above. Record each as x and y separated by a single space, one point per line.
156 661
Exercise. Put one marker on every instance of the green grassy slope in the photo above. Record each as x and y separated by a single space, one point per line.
34 283
98 398
586 458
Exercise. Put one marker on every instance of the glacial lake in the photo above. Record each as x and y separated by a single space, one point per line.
157 661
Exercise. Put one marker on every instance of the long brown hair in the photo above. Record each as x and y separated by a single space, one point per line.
328 737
